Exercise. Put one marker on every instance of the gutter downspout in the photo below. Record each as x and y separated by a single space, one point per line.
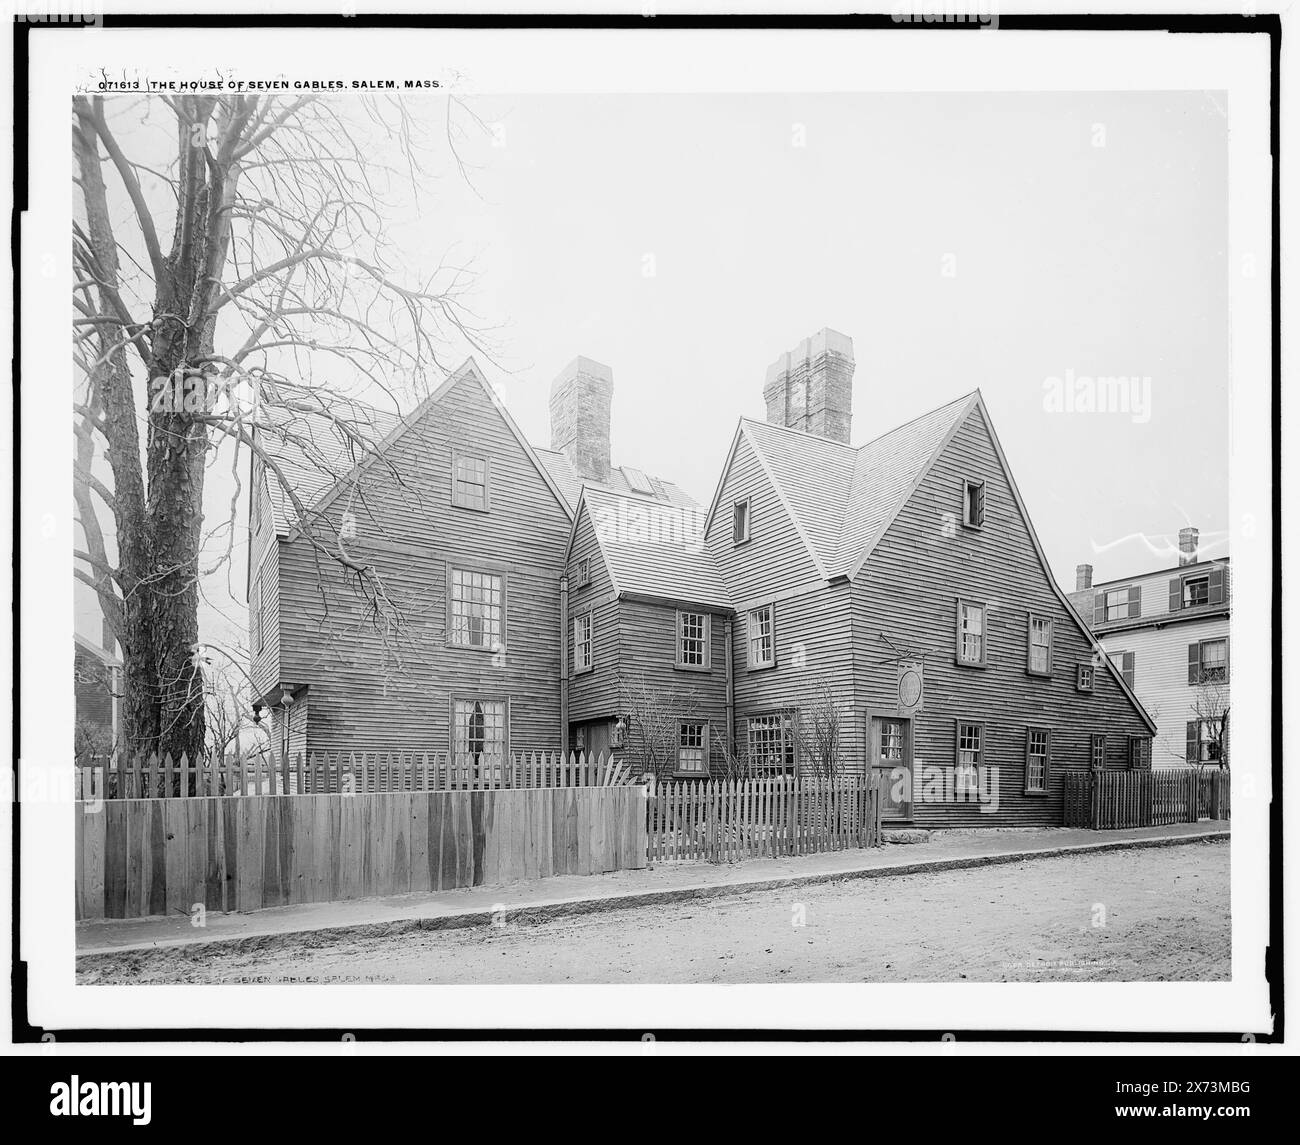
564 663
731 688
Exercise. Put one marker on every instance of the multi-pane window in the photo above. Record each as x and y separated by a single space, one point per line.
1138 747
1037 752
693 639
762 644
478 731
740 522
1099 751
970 632
1196 590
1083 678
973 504
771 743
582 573
1040 645
1117 604
970 753
891 740
1214 661
693 747
469 483
582 654
477 608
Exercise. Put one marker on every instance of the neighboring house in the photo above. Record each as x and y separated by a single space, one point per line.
898 585
902 577
97 677
468 526
1168 634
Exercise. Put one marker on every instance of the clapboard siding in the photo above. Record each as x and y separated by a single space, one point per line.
775 558
389 688
908 590
814 647
1160 677
593 695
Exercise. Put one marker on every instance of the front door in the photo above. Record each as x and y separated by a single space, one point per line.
593 738
890 751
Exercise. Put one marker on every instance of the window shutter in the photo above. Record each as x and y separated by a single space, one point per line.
1193 663
1216 585
1134 601
1130 659
1192 742
979 504
1175 594
1098 607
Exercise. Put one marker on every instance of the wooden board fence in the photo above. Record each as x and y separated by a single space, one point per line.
141 857
328 773
727 821
1115 799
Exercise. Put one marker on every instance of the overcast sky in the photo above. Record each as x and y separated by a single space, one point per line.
990 240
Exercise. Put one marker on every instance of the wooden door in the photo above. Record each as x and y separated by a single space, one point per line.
890 752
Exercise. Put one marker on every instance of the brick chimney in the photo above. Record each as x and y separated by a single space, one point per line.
1189 543
1082 577
811 387
580 401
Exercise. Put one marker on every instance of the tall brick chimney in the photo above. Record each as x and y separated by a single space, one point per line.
811 387
1082 577
580 401
1189 543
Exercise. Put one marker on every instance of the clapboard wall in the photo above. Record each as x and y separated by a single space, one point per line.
142 857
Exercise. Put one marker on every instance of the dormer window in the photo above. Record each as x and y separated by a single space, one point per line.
740 522
972 504
1196 590
471 475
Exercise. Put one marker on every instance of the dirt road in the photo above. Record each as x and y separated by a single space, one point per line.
1144 915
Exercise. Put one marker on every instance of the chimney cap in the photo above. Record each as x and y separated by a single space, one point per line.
587 366
824 341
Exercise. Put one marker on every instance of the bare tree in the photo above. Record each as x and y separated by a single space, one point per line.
653 714
205 345
1210 706
818 726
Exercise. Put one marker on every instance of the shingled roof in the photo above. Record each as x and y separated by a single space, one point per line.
571 484
653 548
840 498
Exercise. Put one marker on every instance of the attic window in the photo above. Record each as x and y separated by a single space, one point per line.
740 522
972 504
471 481
1196 590
582 573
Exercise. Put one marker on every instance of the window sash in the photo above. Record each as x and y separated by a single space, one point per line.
693 639
1214 660
478 731
1084 677
740 522
692 747
973 504
771 743
582 656
1037 753
470 481
762 649
1098 751
1040 644
970 632
477 608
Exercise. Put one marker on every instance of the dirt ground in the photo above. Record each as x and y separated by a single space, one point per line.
1159 914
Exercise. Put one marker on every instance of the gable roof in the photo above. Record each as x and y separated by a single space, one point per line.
651 548
841 499
319 460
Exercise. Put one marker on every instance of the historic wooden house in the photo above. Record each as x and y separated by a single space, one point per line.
895 591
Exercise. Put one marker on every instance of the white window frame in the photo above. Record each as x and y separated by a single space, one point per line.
962 658
1036 618
492 642
460 500
704 640
1045 755
1222 641
1187 584
702 772
752 617
966 772
584 650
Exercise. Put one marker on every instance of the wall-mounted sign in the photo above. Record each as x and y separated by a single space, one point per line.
911 686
